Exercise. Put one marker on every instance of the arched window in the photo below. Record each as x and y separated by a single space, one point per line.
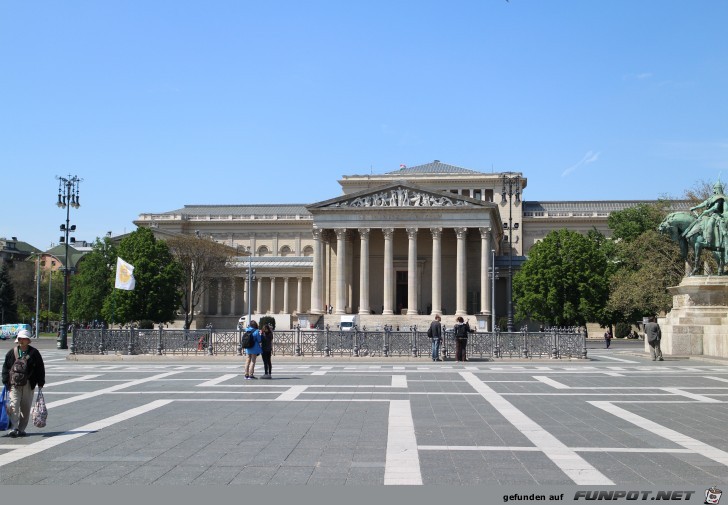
308 251
286 251
263 251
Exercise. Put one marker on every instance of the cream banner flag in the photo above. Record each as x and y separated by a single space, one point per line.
124 275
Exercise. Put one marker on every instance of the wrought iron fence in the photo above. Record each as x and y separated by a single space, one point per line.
554 343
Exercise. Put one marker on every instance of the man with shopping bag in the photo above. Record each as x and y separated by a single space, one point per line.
23 370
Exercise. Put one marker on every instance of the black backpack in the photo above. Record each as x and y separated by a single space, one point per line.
19 370
461 331
248 339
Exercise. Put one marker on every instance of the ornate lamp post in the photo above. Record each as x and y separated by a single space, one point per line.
251 278
511 190
67 198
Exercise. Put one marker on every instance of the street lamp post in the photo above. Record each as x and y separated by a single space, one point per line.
511 189
251 278
67 198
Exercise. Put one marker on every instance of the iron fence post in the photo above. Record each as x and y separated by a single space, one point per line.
240 341
130 348
101 344
327 348
356 342
385 349
555 344
583 342
159 342
297 340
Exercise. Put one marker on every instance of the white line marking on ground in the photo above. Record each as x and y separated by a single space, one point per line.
549 381
76 379
291 394
402 465
600 356
614 374
717 378
217 381
700 398
681 439
24 451
651 450
399 381
573 465
111 389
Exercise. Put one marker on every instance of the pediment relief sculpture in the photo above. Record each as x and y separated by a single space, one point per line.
401 197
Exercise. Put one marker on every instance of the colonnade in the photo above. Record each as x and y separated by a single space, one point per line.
259 308
340 286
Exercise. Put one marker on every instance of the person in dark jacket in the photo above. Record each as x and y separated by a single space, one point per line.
460 332
266 345
435 334
653 334
21 396
251 353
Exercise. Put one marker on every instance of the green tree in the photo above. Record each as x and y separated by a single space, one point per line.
8 305
158 276
564 280
93 282
630 223
200 259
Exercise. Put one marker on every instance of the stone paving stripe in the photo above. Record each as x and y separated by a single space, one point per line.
291 394
216 382
676 437
111 389
700 398
722 379
614 374
37 447
75 379
399 381
402 463
614 358
573 465
650 450
549 381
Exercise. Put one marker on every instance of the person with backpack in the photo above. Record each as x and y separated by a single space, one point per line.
23 369
435 334
266 345
461 330
252 352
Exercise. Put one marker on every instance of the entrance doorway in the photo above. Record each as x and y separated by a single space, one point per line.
400 299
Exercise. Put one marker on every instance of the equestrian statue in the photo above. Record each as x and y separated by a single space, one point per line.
706 230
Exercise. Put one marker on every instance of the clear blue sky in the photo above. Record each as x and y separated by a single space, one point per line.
158 104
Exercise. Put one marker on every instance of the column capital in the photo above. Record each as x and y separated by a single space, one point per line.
436 233
340 233
317 233
388 233
484 232
461 232
364 233
411 232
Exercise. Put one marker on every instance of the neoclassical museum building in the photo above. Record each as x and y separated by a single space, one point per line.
393 248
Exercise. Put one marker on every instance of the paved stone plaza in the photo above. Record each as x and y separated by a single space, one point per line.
617 419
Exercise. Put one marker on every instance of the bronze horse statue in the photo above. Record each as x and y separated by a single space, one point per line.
675 225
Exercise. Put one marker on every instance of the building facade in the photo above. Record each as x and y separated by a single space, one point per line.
394 248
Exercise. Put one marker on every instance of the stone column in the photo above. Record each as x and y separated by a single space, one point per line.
364 272
285 295
317 280
299 296
272 309
219 297
246 294
388 270
484 266
412 277
340 307
259 296
461 293
233 293
436 271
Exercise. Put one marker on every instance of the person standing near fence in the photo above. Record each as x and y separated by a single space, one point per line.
22 380
251 353
266 346
607 338
435 334
653 334
460 331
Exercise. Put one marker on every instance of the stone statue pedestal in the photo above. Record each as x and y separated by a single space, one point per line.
698 321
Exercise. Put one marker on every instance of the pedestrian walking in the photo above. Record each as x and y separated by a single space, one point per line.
607 338
435 334
653 334
251 353
23 369
461 330
266 346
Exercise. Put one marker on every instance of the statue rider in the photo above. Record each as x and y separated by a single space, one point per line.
710 220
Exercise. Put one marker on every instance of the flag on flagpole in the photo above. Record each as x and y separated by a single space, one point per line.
401 166
124 275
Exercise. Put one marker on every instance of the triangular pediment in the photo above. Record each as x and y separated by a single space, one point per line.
398 195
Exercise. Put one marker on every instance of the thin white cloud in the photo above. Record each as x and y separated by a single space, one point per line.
589 158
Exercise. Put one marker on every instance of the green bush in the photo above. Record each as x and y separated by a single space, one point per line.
146 324
621 330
